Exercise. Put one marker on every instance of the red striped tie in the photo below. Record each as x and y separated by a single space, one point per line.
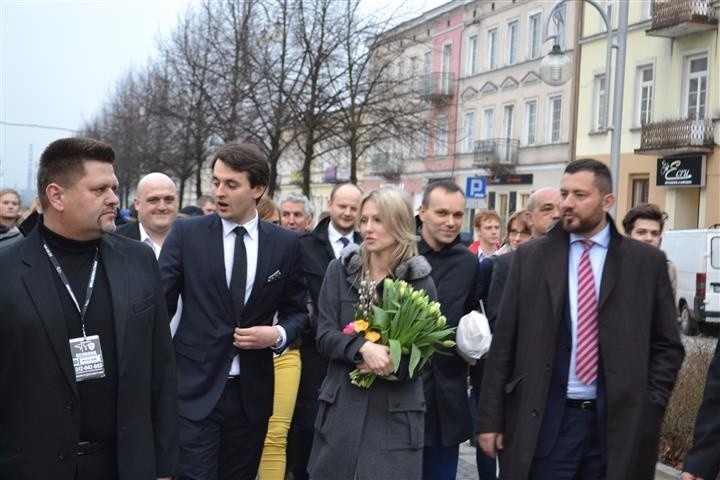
586 357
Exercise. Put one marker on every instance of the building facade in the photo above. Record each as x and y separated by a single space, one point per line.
671 107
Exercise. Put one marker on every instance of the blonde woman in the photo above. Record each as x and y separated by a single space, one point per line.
376 432
9 216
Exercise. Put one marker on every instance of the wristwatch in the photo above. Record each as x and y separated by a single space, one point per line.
279 341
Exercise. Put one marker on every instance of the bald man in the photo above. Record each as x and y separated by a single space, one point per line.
543 210
157 207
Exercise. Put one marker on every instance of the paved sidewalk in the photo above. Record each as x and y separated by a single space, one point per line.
467 470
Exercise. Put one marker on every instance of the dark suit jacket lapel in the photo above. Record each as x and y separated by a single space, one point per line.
556 268
41 287
216 262
116 271
263 261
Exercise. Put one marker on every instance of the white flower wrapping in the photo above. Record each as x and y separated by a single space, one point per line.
473 336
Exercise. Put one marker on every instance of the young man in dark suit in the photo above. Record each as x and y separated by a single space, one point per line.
234 273
86 360
586 344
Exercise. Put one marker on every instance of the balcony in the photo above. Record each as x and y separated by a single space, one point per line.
437 87
498 155
386 165
677 18
671 137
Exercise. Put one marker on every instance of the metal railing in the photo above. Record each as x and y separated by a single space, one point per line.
669 134
668 13
437 85
496 151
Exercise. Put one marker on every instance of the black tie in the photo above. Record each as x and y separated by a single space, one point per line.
345 242
239 273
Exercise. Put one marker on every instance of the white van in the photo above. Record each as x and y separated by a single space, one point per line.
696 255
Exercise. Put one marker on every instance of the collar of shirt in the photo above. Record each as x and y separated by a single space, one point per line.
602 238
251 227
145 238
334 238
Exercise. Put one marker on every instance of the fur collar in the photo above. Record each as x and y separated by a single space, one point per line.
411 269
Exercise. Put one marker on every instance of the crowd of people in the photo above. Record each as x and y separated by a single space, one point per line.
209 342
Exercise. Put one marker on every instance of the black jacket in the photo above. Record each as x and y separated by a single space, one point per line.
317 254
455 273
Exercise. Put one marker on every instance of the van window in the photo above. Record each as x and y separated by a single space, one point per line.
715 252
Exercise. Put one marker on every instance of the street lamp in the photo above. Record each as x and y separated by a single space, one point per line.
555 70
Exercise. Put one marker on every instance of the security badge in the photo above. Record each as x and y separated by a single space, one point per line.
87 358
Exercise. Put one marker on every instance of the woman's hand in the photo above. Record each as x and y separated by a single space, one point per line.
376 359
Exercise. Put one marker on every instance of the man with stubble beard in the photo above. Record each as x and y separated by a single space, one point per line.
585 344
86 359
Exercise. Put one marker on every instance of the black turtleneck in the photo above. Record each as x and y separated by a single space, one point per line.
98 397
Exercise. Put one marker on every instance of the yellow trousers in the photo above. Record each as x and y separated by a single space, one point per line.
287 380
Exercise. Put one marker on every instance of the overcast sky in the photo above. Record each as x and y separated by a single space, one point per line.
59 60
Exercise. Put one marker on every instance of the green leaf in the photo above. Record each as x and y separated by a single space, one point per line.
380 318
395 352
414 359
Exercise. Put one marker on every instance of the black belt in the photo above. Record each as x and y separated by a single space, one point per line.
88 448
587 405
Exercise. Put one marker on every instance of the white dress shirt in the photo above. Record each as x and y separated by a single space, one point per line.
576 388
334 237
145 238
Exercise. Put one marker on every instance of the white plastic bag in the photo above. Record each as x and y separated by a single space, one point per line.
473 336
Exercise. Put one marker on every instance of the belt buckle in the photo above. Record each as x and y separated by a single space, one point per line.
586 405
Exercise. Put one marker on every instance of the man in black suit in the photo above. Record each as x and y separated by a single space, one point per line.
234 273
86 360
318 247
703 459
157 207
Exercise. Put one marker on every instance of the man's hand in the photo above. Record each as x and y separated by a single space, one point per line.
255 337
376 359
490 443
689 476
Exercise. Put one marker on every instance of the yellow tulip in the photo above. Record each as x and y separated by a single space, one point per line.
372 336
361 325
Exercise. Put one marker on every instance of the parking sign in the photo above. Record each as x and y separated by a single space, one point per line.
476 187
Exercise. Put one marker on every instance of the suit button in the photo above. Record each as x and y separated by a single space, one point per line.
69 406
533 413
62 457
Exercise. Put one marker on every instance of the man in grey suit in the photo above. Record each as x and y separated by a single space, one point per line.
585 343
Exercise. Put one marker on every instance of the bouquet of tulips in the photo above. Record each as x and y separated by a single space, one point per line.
406 320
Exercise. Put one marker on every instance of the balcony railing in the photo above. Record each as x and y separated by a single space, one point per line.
496 151
677 18
437 86
668 137
385 165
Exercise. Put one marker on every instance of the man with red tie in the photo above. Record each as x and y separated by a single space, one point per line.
585 350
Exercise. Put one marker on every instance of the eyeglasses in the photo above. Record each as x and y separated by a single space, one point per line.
517 233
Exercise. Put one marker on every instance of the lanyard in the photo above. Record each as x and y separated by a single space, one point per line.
91 284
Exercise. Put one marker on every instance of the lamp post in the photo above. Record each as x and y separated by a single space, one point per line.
555 70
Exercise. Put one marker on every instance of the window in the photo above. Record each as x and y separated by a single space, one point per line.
446 68
530 122
441 142
413 73
640 188
423 140
534 34
555 112
697 75
508 114
644 94
560 17
489 123
468 127
427 62
646 9
492 49
599 103
513 30
400 75
471 61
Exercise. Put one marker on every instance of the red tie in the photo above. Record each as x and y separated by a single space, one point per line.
586 358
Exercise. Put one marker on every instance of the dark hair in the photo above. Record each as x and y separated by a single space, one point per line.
191 211
645 211
603 178
339 185
448 185
245 157
62 162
